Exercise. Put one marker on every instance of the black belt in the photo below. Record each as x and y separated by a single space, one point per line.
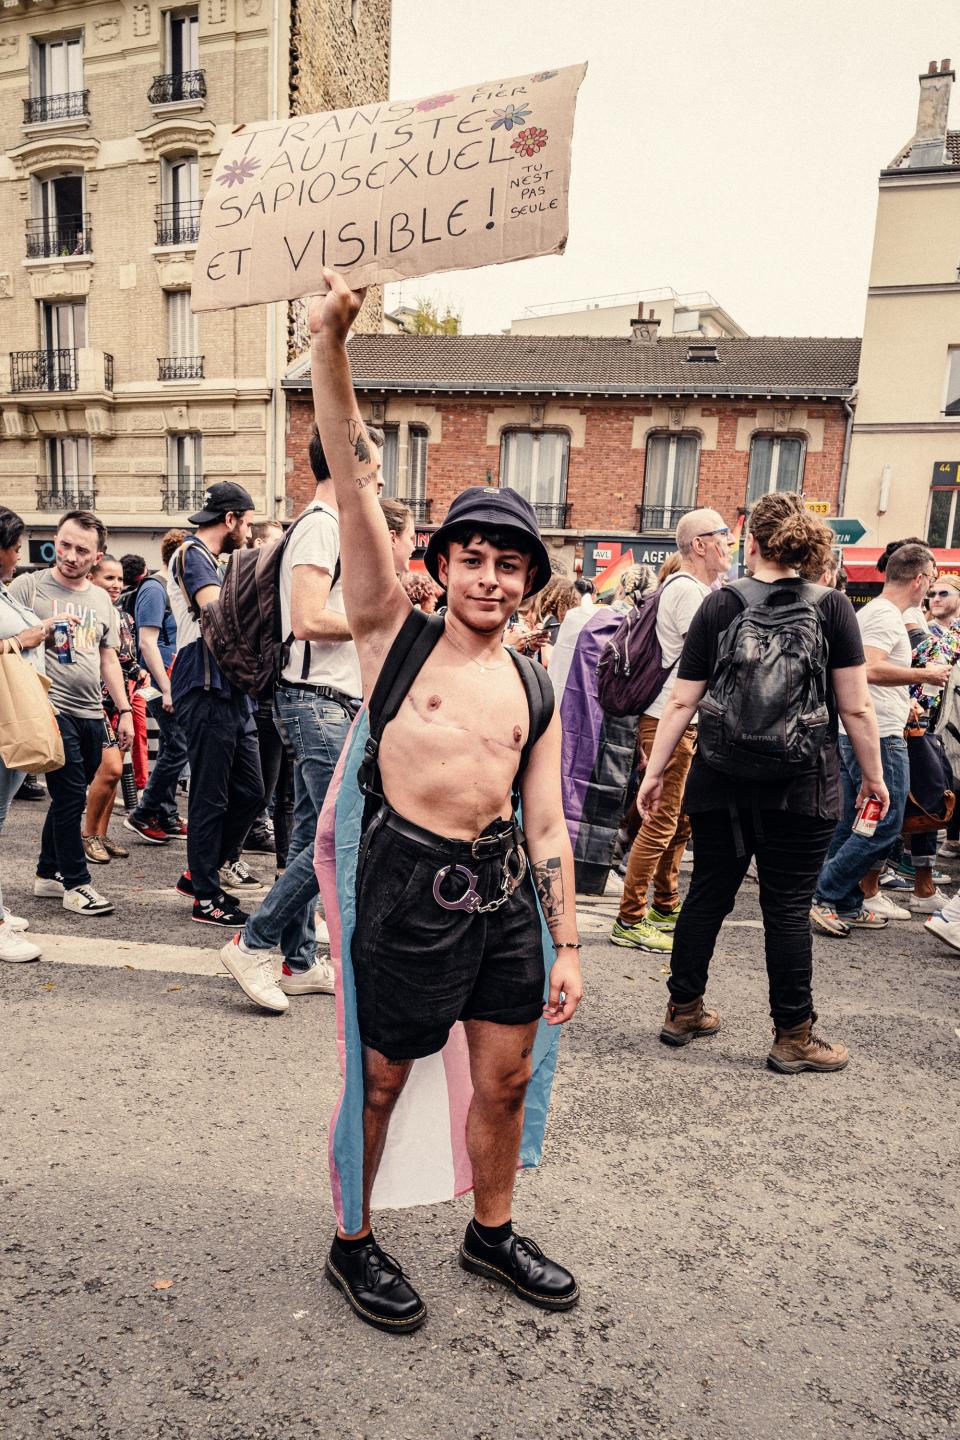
485 847
325 692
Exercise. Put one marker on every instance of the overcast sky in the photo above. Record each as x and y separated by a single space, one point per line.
722 145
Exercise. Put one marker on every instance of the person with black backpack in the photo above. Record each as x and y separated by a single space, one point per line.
226 785
447 927
770 661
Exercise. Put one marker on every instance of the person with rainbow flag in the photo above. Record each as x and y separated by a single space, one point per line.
444 995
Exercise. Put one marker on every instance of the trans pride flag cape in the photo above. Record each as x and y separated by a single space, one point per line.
425 1159
596 759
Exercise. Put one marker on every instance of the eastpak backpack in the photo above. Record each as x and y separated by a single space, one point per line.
630 671
242 627
765 714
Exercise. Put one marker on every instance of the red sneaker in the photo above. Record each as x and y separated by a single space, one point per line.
151 830
175 831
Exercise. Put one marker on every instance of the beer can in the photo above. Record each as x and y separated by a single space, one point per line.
63 643
868 817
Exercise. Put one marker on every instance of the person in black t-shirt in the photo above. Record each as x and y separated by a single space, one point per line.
786 824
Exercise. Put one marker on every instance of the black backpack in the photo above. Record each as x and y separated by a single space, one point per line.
405 659
765 714
630 671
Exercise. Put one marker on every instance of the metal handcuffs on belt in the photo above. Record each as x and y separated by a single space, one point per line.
514 869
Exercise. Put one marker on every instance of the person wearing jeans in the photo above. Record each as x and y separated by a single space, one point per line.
316 699
850 857
839 900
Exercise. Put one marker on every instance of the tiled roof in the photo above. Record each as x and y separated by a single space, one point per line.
579 365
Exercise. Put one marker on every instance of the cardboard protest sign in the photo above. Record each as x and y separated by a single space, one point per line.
469 176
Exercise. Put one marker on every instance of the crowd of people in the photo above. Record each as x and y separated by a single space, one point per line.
773 714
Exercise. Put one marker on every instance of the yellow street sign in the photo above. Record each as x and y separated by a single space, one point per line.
818 507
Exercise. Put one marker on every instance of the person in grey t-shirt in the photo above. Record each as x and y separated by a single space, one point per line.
75 693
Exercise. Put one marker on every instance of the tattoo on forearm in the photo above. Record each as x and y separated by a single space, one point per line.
548 878
364 480
359 441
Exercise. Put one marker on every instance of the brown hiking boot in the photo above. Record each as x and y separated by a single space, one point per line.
684 1023
799 1049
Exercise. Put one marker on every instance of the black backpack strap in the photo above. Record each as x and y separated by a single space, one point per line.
414 641
541 704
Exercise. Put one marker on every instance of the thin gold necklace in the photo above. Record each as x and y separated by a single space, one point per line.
457 646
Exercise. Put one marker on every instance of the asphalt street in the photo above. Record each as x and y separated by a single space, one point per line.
759 1255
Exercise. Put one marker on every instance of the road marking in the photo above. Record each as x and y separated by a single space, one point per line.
128 954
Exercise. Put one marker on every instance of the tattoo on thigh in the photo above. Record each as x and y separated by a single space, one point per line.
548 878
527 1049
359 441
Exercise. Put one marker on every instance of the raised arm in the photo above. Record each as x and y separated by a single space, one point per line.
375 603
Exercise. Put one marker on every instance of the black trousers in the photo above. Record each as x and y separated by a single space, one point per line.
276 769
61 844
226 787
789 851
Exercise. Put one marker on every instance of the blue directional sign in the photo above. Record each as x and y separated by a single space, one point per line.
848 530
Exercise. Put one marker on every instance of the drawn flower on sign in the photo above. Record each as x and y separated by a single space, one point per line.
543 75
529 141
435 102
512 115
238 170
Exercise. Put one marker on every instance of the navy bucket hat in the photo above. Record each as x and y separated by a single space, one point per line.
493 509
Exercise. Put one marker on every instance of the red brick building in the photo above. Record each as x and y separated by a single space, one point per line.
608 437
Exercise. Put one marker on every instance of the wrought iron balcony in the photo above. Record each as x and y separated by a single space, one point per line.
49 238
660 517
74 105
43 370
553 517
181 367
66 492
419 506
182 496
184 85
179 223
108 372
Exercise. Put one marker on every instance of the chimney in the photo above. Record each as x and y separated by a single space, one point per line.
929 142
644 329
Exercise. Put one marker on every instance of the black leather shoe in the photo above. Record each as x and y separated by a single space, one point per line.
376 1287
31 790
522 1266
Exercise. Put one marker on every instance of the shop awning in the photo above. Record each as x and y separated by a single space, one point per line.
860 562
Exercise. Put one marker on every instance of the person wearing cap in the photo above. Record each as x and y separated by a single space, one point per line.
226 785
442 785
943 599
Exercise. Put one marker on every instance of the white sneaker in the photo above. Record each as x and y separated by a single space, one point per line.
16 922
255 973
14 947
236 876
925 904
882 904
946 930
318 980
84 900
949 849
45 889
320 925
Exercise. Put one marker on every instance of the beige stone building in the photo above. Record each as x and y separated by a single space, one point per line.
904 475
113 395
667 312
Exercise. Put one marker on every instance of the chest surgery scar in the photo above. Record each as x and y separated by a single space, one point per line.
429 714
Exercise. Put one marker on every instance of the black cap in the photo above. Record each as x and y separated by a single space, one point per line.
501 509
219 500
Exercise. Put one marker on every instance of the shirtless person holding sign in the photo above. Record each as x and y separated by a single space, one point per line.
447 923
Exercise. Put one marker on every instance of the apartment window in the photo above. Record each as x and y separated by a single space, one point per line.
670 475
69 472
184 472
178 215
943 521
534 462
182 336
405 468
952 405
58 225
182 40
56 81
776 463
63 324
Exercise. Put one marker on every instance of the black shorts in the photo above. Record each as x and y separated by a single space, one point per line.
420 968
